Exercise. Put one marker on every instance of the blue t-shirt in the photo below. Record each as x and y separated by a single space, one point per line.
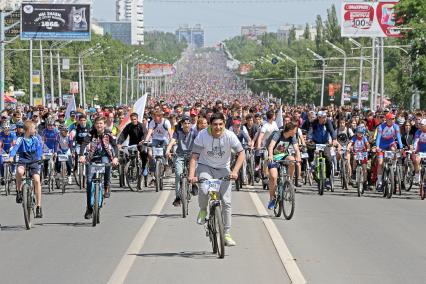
420 141
386 136
29 150
50 138
7 140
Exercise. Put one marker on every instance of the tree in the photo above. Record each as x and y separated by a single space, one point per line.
319 39
292 35
307 32
332 27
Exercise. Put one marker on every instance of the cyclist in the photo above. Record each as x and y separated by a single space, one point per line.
64 147
419 146
50 136
322 132
71 120
387 133
136 132
102 148
30 149
80 131
19 129
7 140
184 137
359 144
212 150
278 150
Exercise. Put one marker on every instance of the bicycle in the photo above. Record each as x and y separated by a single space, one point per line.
80 170
97 172
133 168
122 160
214 221
344 169
422 190
7 173
359 172
62 180
389 169
307 173
158 154
320 167
239 180
49 179
185 194
262 153
250 165
28 195
285 199
408 171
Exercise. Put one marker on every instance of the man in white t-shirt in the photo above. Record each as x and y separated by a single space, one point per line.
159 129
212 150
265 132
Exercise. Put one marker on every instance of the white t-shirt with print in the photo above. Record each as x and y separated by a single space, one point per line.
216 152
159 131
267 129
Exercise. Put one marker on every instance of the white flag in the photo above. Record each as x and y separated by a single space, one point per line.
71 106
139 106
279 120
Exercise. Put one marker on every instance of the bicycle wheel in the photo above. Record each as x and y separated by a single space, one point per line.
332 178
251 170
27 205
184 196
399 183
6 179
278 207
344 176
391 183
220 233
408 176
320 186
422 185
76 174
95 190
157 175
359 180
63 176
131 175
289 198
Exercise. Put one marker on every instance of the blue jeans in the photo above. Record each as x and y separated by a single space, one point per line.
179 164
107 177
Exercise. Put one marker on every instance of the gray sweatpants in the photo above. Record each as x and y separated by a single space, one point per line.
207 172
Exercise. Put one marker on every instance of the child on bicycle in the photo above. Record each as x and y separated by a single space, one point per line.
63 146
359 144
30 149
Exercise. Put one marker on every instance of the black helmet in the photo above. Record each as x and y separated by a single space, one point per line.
342 138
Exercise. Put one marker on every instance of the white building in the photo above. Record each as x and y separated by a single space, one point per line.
132 11
283 33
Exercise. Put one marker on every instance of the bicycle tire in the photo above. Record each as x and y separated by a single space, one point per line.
131 175
399 180
6 179
391 183
82 175
320 186
220 232
27 205
95 210
278 207
289 198
184 196
359 180
157 175
408 176
344 176
251 170
422 184
63 176
332 178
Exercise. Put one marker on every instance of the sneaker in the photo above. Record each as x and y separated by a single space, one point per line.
176 203
88 214
201 219
152 182
194 190
271 204
328 184
39 213
229 241
107 192
379 187
69 180
19 197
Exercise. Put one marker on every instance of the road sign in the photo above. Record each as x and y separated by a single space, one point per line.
274 61
55 22
36 77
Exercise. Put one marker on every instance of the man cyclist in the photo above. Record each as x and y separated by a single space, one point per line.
322 132
50 137
387 135
278 150
80 131
102 148
64 147
7 140
184 137
30 149
419 146
212 151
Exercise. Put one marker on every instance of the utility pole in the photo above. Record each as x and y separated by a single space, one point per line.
373 54
52 86
59 80
43 90
382 68
121 83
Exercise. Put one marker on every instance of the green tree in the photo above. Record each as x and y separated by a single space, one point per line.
319 37
307 32
292 35
332 26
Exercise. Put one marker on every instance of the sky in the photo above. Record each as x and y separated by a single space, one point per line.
223 20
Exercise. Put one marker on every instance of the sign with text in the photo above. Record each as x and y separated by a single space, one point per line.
55 22
155 69
36 77
73 87
369 19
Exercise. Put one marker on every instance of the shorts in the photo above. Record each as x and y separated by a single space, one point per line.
274 164
382 153
34 168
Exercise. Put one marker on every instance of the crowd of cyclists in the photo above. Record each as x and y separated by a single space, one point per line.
212 137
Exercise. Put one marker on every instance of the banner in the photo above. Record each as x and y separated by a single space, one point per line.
71 106
245 68
38 102
73 87
65 64
155 69
280 119
139 106
55 22
369 19
331 91
365 87
347 93
36 77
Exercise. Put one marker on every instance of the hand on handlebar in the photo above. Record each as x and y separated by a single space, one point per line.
192 179
233 176
82 159
115 162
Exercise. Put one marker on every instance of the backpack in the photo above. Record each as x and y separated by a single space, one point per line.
164 126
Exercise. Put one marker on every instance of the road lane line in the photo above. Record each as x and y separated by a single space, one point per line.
126 263
287 259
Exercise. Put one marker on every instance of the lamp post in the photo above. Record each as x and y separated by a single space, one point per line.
342 101
295 75
322 59
361 65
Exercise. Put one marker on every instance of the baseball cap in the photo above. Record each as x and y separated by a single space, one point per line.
423 122
193 112
322 113
236 121
390 115
72 112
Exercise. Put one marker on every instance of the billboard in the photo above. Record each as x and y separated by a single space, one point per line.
155 69
369 19
55 22
245 68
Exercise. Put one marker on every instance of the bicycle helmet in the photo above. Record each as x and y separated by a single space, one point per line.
63 128
50 121
360 129
400 120
342 138
19 124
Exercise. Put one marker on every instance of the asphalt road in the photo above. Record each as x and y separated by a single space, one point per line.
335 238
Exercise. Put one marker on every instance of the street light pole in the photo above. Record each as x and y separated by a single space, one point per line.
59 80
121 82
43 91
52 86
322 59
296 71
342 101
373 54
361 65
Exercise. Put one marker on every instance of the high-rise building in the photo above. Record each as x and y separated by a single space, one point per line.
132 11
254 31
194 36
283 33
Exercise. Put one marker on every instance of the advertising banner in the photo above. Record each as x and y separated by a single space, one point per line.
73 87
365 87
245 69
331 90
369 19
347 94
55 22
36 77
155 69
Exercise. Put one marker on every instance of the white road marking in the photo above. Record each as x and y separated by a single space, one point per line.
126 263
287 259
